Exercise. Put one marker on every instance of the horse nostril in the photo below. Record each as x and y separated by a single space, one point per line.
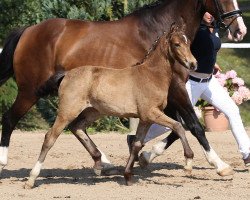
193 66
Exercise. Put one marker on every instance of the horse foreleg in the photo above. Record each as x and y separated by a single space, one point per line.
164 120
157 149
22 104
136 147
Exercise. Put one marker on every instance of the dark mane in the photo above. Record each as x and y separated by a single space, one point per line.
152 48
149 6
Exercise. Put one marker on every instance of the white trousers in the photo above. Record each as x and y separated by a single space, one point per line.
214 94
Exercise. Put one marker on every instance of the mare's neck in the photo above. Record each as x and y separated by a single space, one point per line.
156 19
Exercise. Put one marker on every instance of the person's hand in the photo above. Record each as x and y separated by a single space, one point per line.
216 68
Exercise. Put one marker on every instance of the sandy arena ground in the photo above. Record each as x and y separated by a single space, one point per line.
68 174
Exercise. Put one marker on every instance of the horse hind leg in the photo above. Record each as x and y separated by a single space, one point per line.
50 139
24 101
192 122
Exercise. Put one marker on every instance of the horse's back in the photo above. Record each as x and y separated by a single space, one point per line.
63 44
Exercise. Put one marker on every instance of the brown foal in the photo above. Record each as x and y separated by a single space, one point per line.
88 92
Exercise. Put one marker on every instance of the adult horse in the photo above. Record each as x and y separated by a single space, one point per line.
35 53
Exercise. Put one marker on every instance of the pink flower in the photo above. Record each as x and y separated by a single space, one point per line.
244 92
231 74
221 78
233 85
237 98
238 81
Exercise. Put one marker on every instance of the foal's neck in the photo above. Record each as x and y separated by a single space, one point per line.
158 61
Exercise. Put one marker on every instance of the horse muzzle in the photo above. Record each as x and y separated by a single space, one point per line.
192 65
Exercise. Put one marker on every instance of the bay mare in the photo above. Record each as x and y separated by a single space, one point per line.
35 53
88 92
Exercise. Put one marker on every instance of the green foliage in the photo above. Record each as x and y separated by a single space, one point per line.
48 108
32 120
8 93
110 124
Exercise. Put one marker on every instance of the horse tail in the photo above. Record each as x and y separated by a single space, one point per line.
7 54
51 85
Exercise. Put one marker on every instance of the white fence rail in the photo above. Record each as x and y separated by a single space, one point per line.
236 45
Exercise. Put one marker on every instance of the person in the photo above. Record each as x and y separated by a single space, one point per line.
202 84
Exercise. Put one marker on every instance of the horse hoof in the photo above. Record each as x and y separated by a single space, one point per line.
129 183
28 186
188 172
143 162
97 171
226 172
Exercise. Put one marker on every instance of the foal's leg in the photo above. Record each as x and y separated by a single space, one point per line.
78 128
147 157
24 101
49 141
164 120
136 147
67 112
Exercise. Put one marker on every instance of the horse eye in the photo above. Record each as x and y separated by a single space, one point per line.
177 45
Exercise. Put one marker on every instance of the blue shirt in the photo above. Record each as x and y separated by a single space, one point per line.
205 48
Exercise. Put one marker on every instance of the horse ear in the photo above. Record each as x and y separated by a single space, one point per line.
173 27
182 25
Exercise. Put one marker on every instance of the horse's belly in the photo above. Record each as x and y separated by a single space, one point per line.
114 102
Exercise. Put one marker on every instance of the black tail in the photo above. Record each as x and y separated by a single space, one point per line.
51 85
6 56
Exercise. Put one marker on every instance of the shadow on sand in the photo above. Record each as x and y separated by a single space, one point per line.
86 176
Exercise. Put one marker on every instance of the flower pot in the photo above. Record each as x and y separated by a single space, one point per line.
214 120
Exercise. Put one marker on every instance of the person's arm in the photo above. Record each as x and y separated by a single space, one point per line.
216 68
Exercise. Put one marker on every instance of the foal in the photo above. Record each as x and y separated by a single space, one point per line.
88 92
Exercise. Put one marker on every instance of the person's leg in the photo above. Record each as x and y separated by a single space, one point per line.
218 97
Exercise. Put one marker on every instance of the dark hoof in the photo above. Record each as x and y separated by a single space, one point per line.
129 183
128 179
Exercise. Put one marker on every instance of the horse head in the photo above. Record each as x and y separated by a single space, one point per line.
228 16
179 47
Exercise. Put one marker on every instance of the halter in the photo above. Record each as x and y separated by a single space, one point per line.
221 15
